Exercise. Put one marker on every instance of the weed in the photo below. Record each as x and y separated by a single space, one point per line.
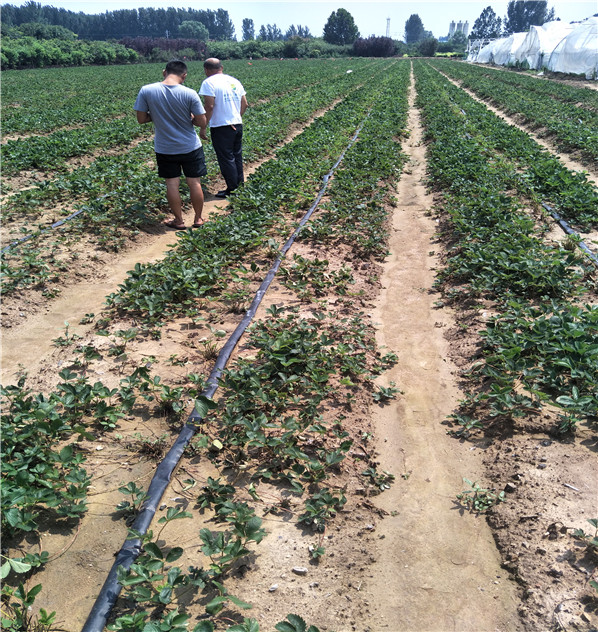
381 481
320 507
294 623
385 393
129 508
590 540
88 318
479 499
67 340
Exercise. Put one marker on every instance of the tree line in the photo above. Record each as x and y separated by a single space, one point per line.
521 15
121 23
35 35
217 25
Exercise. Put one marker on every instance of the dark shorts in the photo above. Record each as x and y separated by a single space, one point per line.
193 164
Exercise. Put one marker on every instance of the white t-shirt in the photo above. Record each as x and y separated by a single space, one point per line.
227 92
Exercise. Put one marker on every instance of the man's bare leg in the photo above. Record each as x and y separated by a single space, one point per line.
196 195
174 199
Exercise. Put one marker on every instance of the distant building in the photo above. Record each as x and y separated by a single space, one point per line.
459 27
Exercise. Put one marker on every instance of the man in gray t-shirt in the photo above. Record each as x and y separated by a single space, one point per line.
174 109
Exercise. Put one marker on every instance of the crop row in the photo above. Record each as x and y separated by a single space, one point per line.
101 93
195 268
120 193
540 350
50 151
547 89
573 127
273 403
530 169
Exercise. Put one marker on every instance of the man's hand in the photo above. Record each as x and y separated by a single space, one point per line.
203 134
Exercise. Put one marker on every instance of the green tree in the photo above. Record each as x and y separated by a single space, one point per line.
458 42
340 28
291 32
428 47
194 30
46 31
248 29
374 47
414 29
270 33
521 14
488 25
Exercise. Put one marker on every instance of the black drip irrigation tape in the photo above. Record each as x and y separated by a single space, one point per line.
18 242
563 224
98 617
57 224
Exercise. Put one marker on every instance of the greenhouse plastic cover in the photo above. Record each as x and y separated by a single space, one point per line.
558 46
500 51
485 55
578 52
540 41
504 51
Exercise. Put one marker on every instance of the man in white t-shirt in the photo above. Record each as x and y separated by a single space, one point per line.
225 103
174 109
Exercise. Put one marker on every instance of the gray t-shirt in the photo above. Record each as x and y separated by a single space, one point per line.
171 108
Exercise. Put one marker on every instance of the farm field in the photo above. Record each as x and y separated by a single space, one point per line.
404 438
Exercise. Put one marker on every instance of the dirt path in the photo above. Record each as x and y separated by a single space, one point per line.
443 567
30 343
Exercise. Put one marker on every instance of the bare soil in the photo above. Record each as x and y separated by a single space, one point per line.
410 559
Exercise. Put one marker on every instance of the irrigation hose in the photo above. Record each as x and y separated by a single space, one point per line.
58 224
130 550
565 226
17 242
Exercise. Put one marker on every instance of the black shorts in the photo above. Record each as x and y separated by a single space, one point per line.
193 164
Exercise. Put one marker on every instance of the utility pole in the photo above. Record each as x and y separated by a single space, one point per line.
387 27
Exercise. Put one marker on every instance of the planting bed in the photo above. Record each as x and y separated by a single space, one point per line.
404 438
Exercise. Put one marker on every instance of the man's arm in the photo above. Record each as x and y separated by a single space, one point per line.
208 103
143 117
200 120
244 104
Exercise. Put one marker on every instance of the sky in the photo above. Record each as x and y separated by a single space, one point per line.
371 18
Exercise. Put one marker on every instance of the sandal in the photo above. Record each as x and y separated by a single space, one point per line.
173 224
195 225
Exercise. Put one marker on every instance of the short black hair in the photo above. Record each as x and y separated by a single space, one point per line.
176 67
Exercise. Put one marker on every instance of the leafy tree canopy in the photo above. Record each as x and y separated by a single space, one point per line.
143 22
521 14
269 33
414 29
248 29
194 30
43 31
488 25
374 47
428 47
297 31
340 28
458 41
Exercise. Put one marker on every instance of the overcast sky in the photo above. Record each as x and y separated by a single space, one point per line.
370 17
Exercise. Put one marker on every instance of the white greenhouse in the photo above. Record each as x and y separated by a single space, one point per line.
557 46
539 43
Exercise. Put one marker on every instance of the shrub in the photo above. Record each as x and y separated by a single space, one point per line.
374 47
427 47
